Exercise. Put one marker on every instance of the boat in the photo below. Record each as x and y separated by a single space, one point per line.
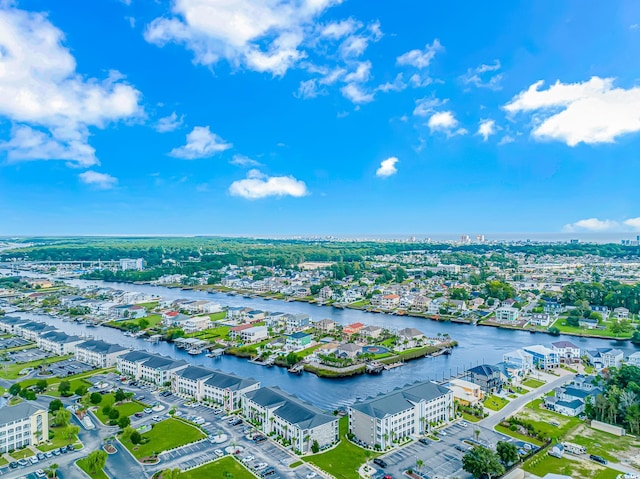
194 352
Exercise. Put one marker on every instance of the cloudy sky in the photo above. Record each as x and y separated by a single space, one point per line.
318 116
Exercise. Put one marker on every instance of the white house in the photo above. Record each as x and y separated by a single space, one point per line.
98 353
254 334
602 358
540 319
195 324
634 359
58 342
25 424
507 314
568 352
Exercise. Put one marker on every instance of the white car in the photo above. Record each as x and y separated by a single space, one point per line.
156 418
463 423
260 466
248 458
218 452
312 474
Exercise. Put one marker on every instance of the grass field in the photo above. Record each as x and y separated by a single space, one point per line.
542 465
12 370
549 423
82 464
126 408
3 461
562 325
165 435
343 460
603 444
532 383
219 468
218 316
57 441
469 417
22 453
517 435
495 403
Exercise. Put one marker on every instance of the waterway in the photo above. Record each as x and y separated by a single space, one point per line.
477 344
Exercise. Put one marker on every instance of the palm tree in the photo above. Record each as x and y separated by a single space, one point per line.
477 434
385 437
419 464
171 473
52 471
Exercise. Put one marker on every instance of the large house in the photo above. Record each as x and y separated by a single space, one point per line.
400 413
58 342
519 360
466 392
296 322
98 353
22 425
543 357
602 358
149 367
296 421
567 351
298 340
488 377
214 386
540 319
325 325
506 314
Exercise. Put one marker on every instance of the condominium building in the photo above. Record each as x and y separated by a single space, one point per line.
295 420
22 425
98 353
149 367
400 413
58 342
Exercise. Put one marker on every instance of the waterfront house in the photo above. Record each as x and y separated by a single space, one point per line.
348 350
298 340
354 328
567 351
602 358
552 307
411 336
457 305
325 325
621 313
195 324
152 368
420 302
128 311
602 311
235 332
23 425
296 322
588 323
284 415
466 392
540 319
435 306
58 342
506 314
275 320
254 334
98 353
543 357
401 413
371 332
488 377
634 359
389 301
520 361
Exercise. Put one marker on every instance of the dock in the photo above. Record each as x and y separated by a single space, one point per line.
374 367
387 367
296 369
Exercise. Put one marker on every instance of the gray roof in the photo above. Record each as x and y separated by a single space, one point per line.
410 333
229 381
15 413
484 370
400 400
37 327
195 373
60 337
576 403
153 361
290 408
12 320
100 347
564 344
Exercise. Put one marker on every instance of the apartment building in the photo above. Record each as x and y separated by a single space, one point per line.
149 367
58 342
98 353
22 425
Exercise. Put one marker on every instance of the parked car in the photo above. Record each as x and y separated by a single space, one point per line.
312 474
260 466
463 423
248 458
259 438
156 418
598 459
138 414
218 452
13 465
40 473
380 462
424 441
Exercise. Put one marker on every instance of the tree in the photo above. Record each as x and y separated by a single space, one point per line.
135 437
52 471
120 395
114 414
507 452
315 447
96 461
62 417
41 385
419 464
123 422
70 431
481 461
15 389
106 410
143 323
64 388
95 398
55 405
553 331
171 473
81 390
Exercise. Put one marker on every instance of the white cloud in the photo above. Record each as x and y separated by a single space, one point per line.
588 112
420 58
360 74
258 185
387 167
483 76
241 160
445 122
591 224
506 139
486 128
169 123
308 89
398 84
201 143
427 105
633 223
356 94
50 105
103 181
266 36
634 26
337 30
354 46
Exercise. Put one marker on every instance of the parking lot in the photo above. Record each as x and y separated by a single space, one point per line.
7 343
443 458
68 367
27 355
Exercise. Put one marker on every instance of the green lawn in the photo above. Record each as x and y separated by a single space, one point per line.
57 441
22 453
165 435
149 305
52 390
218 469
601 443
543 464
218 316
212 334
495 403
82 464
562 325
517 435
469 417
532 383
3 461
550 423
343 460
126 408
12 370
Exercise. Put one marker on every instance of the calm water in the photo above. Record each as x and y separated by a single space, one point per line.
477 344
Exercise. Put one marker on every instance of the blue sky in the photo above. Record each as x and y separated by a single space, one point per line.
304 117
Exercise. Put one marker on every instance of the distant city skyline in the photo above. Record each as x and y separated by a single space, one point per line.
319 117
